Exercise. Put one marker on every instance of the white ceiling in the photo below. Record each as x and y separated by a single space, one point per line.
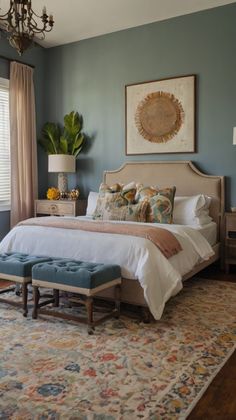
81 19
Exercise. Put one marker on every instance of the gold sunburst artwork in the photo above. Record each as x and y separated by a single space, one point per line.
159 117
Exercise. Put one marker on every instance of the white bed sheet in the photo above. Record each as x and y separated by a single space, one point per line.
209 231
139 258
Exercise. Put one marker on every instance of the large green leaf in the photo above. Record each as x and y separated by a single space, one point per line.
63 145
46 145
77 151
51 135
73 123
79 139
72 132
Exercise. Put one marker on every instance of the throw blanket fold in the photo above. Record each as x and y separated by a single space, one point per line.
162 238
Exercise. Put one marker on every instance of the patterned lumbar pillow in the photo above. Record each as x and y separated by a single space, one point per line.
160 203
130 213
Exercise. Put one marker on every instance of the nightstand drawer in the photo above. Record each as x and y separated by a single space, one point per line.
56 207
60 208
231 223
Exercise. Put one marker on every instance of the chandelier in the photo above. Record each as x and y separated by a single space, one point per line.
21 26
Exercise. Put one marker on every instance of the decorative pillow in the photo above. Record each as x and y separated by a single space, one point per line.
130 213
106 200
92 202
160 203
116 195
145 192
110 188
193 210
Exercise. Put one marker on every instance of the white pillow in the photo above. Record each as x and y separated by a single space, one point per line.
92 202
193 210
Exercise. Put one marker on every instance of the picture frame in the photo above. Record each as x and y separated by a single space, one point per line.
160 116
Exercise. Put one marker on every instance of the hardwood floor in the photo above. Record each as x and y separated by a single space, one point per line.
219 400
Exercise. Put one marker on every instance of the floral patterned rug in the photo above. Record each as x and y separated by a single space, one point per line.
51 369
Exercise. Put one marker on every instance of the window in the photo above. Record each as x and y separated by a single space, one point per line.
5 188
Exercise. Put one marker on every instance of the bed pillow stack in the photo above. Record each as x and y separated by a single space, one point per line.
192 210
134 202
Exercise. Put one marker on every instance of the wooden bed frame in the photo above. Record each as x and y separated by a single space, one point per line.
188 181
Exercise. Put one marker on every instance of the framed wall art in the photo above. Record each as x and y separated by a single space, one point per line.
160 116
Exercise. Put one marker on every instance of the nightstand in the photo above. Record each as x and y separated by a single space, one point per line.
230 240
60 207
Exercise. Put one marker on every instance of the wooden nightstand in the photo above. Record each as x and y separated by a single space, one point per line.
60 207
230 240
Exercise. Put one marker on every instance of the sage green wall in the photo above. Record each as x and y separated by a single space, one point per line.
90 76
34 57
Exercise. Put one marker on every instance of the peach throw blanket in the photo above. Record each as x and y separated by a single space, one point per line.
162 238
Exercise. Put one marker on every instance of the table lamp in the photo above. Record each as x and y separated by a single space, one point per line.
61 164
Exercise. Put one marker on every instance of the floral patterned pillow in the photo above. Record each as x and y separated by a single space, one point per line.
104 188
116 195
105 201
160 203
130 213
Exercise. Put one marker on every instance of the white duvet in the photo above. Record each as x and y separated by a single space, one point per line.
139 258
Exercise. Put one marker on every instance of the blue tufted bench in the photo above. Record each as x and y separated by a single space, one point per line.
17 267
83 278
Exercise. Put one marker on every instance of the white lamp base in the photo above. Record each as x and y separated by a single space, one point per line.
62 182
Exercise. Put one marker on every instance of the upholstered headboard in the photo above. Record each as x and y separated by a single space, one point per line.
183 174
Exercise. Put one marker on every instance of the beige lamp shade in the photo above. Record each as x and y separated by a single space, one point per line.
61 163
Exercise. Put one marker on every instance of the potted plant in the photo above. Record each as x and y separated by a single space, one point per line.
68 141
63 146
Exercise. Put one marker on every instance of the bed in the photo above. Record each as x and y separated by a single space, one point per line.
166 276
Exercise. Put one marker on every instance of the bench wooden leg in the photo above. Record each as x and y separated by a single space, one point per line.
117 300
36 297
89 306
56 298
25 298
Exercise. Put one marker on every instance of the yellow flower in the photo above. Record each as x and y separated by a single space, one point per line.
53 193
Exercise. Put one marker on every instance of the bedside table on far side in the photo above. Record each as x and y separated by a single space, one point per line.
60 207
230 240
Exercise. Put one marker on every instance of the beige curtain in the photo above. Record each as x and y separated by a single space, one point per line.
24 181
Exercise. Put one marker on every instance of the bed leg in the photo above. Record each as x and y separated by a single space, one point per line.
24 298
146 315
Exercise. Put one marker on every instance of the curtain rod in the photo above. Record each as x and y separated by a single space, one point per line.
17 61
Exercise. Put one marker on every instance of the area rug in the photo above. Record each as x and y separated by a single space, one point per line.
52 369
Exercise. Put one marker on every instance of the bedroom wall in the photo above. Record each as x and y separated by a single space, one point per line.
34 57
89 76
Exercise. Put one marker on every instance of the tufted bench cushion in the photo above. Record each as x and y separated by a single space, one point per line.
16 266
83 278
76 274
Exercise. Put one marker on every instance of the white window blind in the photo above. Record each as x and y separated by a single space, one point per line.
5 191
